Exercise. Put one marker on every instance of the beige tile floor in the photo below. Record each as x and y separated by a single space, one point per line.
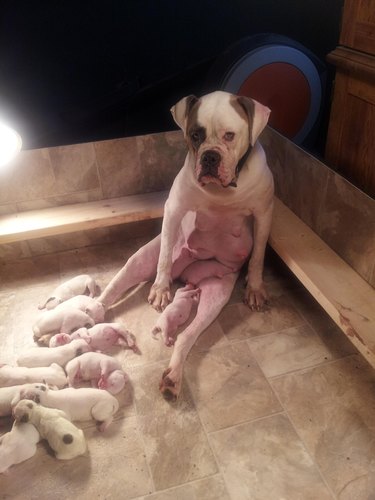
274 405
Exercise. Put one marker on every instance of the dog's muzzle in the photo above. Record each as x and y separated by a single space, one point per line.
210 161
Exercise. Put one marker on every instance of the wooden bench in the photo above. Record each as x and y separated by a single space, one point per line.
346 297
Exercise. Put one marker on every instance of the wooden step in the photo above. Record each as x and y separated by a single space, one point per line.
346 297
80 216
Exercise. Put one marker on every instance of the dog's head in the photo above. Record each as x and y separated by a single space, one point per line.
220 129
23 410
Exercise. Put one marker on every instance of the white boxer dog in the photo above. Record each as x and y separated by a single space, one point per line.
18 445
17 375
219 207
78 404
45 356
65 439
79 285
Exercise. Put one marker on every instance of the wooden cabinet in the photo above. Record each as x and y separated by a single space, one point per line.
351 135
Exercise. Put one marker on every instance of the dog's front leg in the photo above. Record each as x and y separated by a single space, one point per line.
160 294
256 294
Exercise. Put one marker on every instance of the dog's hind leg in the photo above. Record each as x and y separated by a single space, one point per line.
215 293
140 267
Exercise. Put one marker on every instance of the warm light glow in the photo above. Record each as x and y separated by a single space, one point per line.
10 144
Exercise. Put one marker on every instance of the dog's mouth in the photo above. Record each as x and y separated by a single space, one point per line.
210 179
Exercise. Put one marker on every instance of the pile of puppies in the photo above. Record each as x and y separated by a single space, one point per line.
44 412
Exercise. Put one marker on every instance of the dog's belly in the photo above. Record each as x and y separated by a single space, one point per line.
224 238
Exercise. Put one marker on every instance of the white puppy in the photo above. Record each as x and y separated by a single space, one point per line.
44 356
66 317
18 445
9 396
101 337
66 440
104 371
17 375
79 404
79 285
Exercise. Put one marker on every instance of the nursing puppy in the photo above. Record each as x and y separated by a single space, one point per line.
45 356
219 208
104 371
78 404
79 285
17 375
65 439
18 445
66 317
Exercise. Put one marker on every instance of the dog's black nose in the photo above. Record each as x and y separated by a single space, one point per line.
210 161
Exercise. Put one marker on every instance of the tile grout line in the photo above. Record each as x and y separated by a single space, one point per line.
285 411
298 435
208 440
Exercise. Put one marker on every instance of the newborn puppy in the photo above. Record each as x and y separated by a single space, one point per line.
104 371
45 356
101 337
18 445
9 396
58 320
17 375
79 285
66 317
176 313
66 440
79 404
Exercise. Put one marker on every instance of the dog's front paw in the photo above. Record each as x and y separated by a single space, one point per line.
159 297
170 385
256 298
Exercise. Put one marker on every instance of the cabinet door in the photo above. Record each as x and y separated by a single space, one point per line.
358 25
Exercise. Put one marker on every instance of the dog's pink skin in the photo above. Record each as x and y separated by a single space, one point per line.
114 383
176 313
96 367
201 269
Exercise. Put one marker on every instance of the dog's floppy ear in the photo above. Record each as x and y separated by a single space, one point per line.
257 115
181 110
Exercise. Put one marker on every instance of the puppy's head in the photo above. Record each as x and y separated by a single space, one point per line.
34 392
23 410
220 129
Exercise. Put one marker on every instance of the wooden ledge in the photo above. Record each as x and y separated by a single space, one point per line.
80 216
344 295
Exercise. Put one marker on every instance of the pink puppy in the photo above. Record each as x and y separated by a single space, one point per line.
101 337
104 371
176 313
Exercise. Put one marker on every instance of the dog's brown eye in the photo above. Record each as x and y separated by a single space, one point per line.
195 136
229 136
